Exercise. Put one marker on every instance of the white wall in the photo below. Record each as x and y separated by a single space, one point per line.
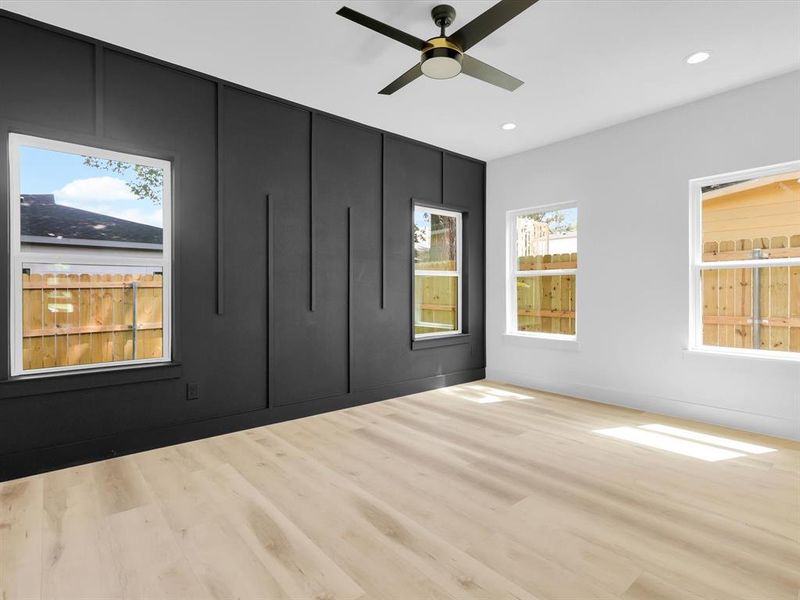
631 185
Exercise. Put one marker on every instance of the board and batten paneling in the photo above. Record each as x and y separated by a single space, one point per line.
56 74
348 175
335 196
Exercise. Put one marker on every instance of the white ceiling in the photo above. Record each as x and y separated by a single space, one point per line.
587 64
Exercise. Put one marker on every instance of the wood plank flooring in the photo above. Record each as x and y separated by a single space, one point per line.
478 491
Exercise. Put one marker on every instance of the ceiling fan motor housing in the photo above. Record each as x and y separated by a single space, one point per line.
441 59
443 15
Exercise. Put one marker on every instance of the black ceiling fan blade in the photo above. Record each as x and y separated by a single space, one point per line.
480 70
403 80
382 28
488 22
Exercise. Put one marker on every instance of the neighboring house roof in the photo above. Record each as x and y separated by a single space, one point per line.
44 221
719 186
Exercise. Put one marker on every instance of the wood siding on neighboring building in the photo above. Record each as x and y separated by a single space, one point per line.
747 210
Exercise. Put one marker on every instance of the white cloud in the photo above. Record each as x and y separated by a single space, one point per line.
109 196
96 189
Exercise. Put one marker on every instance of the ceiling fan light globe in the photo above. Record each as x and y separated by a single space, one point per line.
441 67
441 63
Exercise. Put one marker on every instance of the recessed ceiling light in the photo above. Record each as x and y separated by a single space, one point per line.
508 126
698 57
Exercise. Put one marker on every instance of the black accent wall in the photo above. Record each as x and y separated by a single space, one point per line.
292 227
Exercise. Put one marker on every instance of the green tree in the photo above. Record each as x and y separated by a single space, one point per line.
147 184
554 221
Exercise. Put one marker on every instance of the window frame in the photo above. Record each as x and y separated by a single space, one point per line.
448 211
512 273
697 265
87 256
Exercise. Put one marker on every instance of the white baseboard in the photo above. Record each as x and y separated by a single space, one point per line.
715 415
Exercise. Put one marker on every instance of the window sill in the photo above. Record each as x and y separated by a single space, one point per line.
439 342
567 343
774 357
68 381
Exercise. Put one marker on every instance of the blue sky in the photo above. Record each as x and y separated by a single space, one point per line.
421 219
80 186
570 215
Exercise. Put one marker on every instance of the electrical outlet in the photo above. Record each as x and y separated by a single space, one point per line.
192 391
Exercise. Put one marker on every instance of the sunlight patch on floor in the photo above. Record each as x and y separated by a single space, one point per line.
483 394
472 395
709 439
706 447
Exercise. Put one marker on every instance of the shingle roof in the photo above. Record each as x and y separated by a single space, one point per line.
719 186
41 217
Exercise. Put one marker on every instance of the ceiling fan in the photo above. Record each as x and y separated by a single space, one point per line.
444 56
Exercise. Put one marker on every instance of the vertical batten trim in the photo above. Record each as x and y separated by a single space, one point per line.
220 216
312 292
99 87
483 259
441 175
383 220
349 299
270 299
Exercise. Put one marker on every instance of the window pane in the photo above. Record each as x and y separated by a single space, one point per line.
435 241
752 308
546 304
547 240
70 199
755 218
86 314
83 215
435 304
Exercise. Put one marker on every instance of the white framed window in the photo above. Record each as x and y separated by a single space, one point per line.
437 288
745 263
91 257
542 271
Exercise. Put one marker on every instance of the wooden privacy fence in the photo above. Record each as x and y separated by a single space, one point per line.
436 298
85 319
548 262
752 307
70 319
546 303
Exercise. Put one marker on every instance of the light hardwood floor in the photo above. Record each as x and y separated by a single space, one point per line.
476 491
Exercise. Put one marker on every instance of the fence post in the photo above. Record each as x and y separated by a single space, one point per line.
134 325
756 302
